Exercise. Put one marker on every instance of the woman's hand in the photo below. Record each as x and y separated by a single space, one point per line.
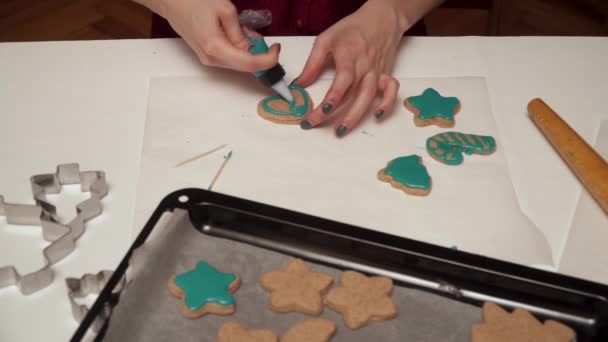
363 47
211 28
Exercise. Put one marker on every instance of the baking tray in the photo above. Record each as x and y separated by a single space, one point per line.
438 290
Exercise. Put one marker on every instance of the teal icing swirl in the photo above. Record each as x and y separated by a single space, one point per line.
297 111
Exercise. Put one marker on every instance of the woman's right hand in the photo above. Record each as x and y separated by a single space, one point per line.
211 28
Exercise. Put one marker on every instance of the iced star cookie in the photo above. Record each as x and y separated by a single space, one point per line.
310 330
448 147
235 332
278 110
361 299
294 288
407 174
521 326
430 108
205 290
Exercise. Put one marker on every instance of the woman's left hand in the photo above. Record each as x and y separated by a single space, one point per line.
363 47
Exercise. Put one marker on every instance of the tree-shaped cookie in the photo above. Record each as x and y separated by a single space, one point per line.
430 108
294 288
310 330
205 290
361 299
520 326
235 332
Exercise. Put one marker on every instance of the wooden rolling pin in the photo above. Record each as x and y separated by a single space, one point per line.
583 160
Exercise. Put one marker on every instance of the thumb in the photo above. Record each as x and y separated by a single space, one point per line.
314 64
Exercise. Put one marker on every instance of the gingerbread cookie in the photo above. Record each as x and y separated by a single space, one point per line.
278 110
361 299
521 326
310 330
235 332
407 174
294 288
430 108
448 147
205 290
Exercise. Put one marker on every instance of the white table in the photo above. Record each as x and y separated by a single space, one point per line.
86 102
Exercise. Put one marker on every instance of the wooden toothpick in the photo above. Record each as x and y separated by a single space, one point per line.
217 175
201 155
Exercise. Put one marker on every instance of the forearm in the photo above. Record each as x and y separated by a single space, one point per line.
411 11
157 6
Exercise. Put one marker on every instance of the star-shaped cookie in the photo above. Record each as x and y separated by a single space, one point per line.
521 326
235 332
430 108
310 330
294 288
361 299
205 290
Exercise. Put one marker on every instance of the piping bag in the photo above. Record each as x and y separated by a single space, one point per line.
272 77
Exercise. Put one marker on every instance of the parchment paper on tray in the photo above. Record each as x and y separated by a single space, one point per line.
148 312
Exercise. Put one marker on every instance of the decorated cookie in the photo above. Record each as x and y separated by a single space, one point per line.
407 174
205 290
521 326
278 110
431 108
310 330
448 147
294 288
361 299
235 332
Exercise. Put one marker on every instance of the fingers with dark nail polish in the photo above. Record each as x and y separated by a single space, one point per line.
305 125
379 113
341 131
327 108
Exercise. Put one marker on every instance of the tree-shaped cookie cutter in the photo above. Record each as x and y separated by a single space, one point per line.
63 237
86 285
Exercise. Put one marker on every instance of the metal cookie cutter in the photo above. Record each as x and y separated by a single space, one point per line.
27 214
63 237
86 285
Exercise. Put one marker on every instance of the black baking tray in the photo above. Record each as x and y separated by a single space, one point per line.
462 276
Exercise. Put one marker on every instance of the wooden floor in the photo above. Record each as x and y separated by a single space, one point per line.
43 20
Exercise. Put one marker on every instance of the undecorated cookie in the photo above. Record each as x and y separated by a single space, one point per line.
278 110
448 147
310 330
520 326
361 299
205 290
294 288
407 174
235 332
430 108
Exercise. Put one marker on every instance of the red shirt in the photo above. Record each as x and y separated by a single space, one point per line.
291 17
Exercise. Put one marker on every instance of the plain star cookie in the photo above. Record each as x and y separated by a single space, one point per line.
430 108
235 332
520 326
361 299
294 288
205 290
276 109
407 174
310 330
448 147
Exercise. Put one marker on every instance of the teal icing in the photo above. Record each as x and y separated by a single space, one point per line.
297 111
203 285
451 152
410 172
431 104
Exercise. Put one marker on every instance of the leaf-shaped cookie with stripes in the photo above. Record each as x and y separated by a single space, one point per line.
449 147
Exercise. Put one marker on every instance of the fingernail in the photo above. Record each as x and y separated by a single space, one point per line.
379 114
341 131
305 125
294 81
327 108
279 48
